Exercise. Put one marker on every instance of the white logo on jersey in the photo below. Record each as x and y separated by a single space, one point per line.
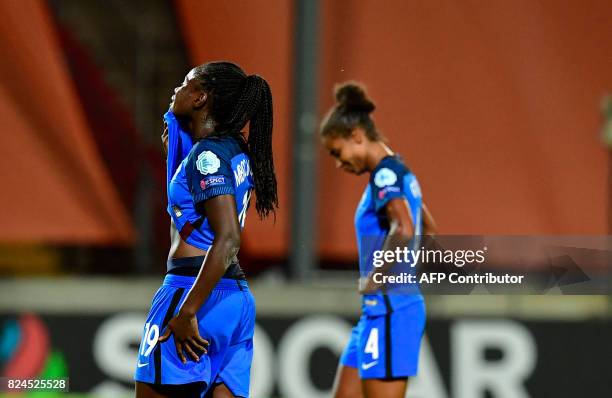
367 366
385 177
243 170
415 188
208 162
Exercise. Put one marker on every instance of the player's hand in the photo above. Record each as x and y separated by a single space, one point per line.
164 139
367 285
186 337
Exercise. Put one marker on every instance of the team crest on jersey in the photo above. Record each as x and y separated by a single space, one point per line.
384 177
208 162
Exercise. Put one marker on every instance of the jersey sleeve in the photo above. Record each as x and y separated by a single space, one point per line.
386 184
210 172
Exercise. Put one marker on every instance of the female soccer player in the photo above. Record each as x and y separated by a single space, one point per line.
384 346
198 336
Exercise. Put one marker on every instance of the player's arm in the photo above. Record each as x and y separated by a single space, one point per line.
429 225
401 228
401 231
221 214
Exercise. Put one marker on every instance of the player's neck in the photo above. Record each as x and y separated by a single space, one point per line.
378 152
201 125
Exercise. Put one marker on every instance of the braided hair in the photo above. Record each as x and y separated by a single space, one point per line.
352 110
238 99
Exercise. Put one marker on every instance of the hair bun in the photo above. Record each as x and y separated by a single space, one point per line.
352 97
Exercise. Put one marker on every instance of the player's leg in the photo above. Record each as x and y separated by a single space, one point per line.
347 384
220 391
144 390
380 388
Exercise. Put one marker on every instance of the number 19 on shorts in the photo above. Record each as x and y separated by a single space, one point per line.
149 339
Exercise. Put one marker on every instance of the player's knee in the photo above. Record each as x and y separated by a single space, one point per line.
348 392
221 391
144 390
343 394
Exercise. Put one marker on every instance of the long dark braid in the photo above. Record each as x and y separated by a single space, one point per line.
235 100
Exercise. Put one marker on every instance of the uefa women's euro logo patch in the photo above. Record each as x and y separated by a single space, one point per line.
208 162
384 177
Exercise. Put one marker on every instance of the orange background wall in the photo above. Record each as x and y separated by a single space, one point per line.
54 188
494 105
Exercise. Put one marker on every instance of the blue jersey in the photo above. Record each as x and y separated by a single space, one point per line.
389 180
215 166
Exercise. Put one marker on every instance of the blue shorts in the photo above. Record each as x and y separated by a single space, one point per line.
226 320
387 346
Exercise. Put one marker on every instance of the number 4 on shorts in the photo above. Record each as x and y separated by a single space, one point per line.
372 344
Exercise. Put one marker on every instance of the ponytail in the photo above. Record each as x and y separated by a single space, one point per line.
352 109
257 99
238 99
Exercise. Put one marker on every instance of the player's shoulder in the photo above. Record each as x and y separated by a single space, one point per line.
394 162
389 171
221 148
217 144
